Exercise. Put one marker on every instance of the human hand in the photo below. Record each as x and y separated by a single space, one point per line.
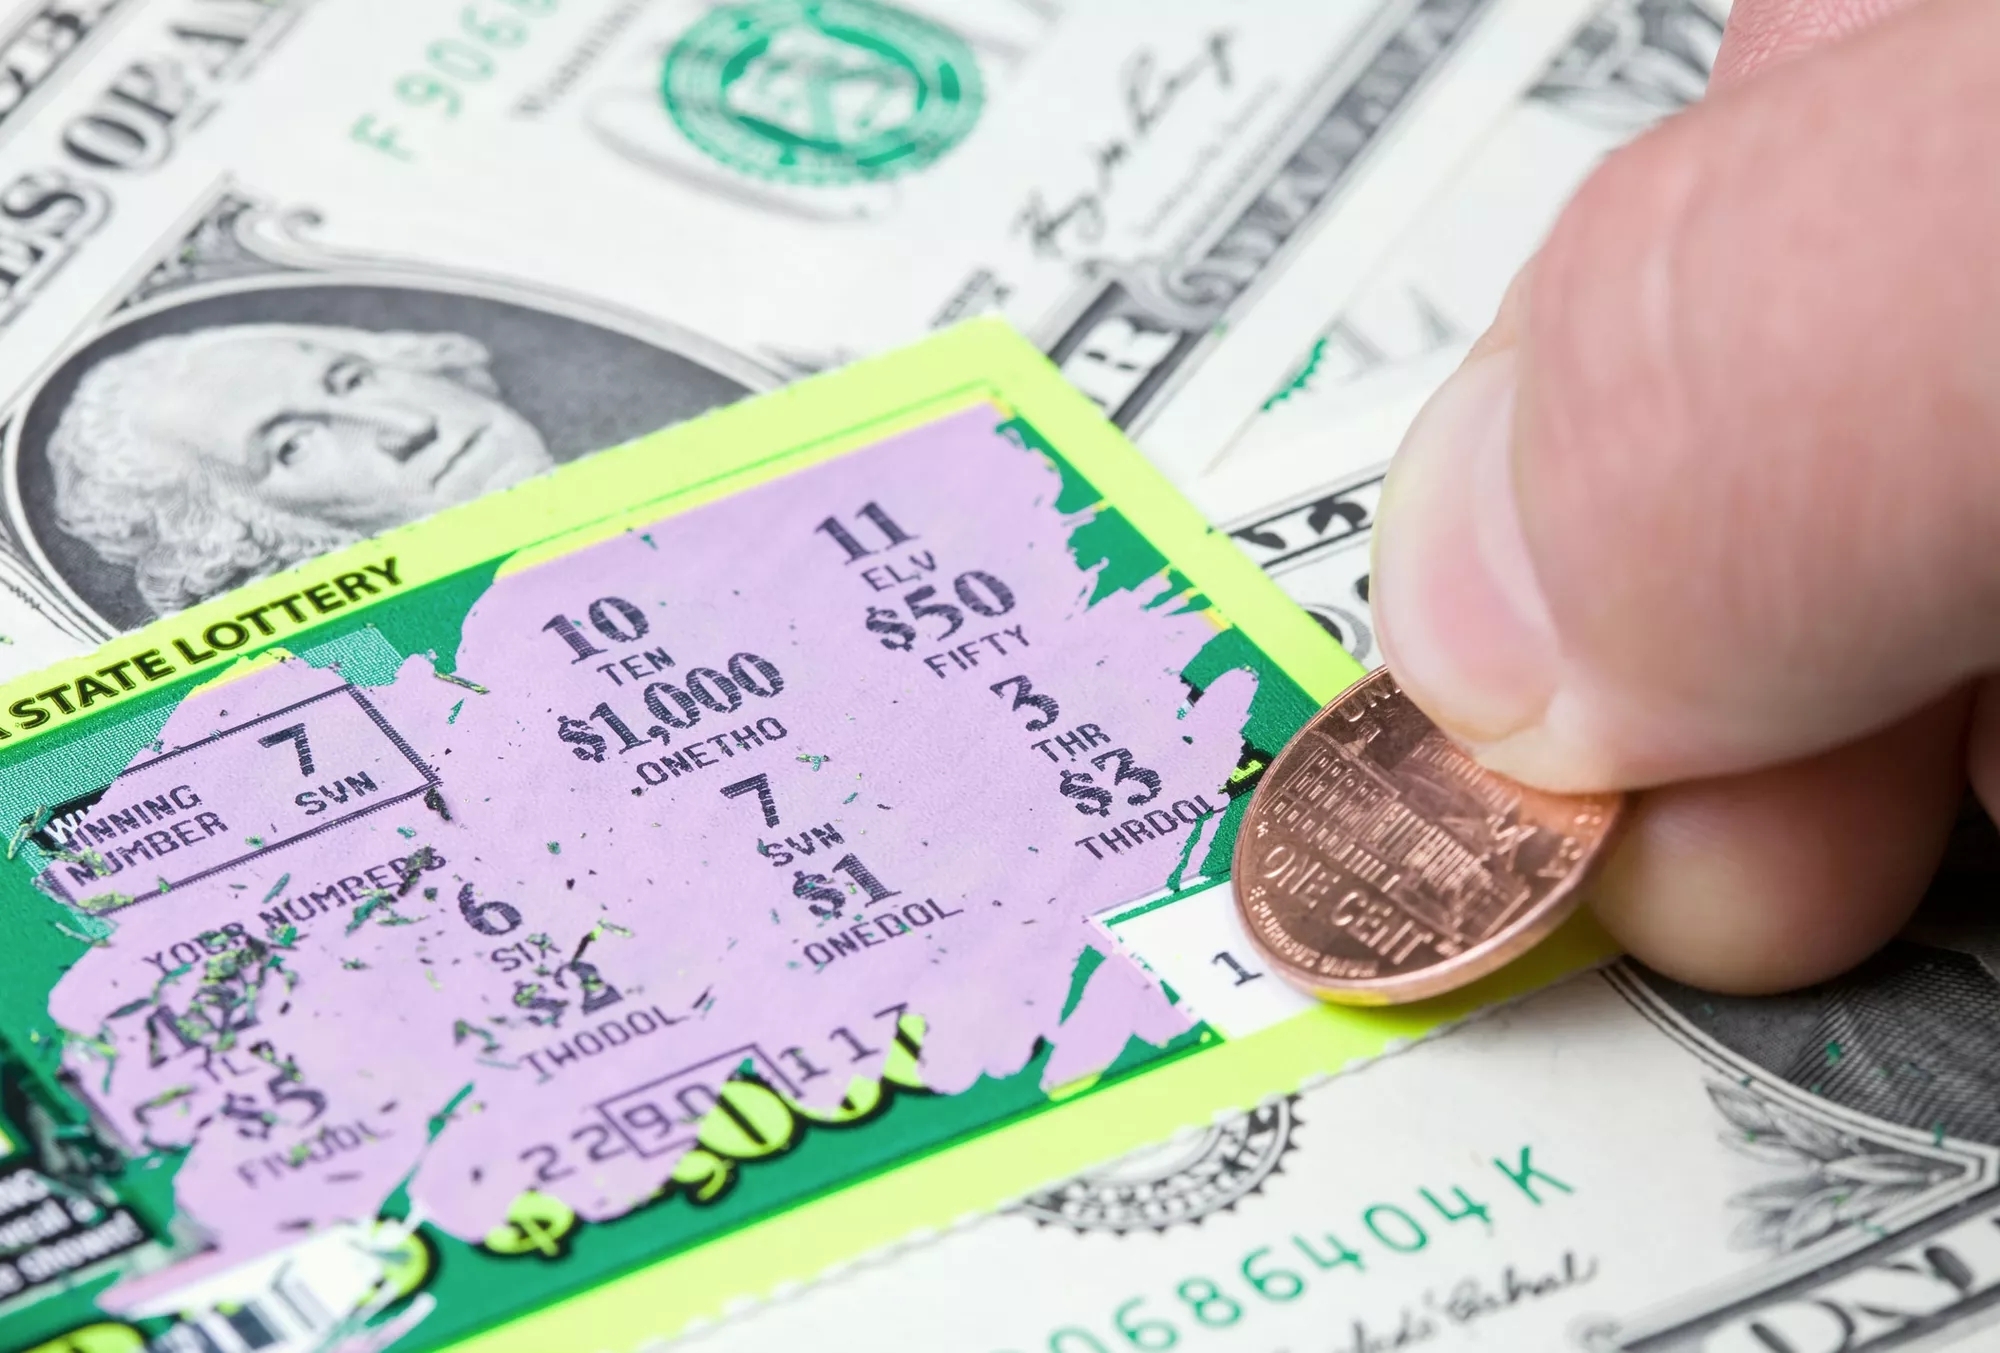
1713 510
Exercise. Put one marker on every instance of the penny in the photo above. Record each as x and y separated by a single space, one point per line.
1379 863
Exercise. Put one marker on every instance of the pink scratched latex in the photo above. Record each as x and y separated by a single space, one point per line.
932 781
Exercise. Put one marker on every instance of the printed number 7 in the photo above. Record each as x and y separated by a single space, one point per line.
1025 698
296 733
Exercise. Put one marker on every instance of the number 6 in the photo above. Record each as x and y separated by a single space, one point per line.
479 915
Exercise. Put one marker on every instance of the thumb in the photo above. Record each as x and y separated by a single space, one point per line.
1722 488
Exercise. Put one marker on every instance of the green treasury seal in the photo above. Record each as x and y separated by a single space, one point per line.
821 91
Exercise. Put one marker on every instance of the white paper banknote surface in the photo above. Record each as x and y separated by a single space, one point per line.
461 242
1621 1164
1811 1174
279 275
1297 483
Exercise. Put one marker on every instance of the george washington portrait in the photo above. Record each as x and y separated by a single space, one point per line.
209 442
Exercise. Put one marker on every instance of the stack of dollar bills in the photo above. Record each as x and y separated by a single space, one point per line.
566 788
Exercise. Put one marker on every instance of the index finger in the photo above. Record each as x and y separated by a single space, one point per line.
1763 32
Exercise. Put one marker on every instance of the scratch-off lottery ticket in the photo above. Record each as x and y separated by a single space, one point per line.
651 885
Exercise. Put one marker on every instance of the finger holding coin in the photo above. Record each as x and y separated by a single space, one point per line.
1379 863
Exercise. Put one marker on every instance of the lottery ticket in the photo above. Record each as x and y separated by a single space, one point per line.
674 877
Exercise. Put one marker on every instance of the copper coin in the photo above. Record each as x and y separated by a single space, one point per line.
1378 863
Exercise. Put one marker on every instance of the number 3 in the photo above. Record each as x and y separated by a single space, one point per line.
1026 698
1128 771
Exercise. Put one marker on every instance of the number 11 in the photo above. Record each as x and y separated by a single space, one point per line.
892 534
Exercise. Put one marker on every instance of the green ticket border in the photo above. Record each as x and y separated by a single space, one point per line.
723 453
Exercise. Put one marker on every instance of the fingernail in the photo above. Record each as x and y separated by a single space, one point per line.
1457 605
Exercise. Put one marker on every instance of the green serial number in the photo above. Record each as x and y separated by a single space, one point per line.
452 65
1159 1321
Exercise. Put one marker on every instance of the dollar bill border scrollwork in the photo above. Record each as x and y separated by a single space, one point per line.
1864 1208
1308 528
1181 1183
1125 340
44 44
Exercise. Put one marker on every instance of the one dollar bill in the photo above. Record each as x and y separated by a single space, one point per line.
277 276
1619 1165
